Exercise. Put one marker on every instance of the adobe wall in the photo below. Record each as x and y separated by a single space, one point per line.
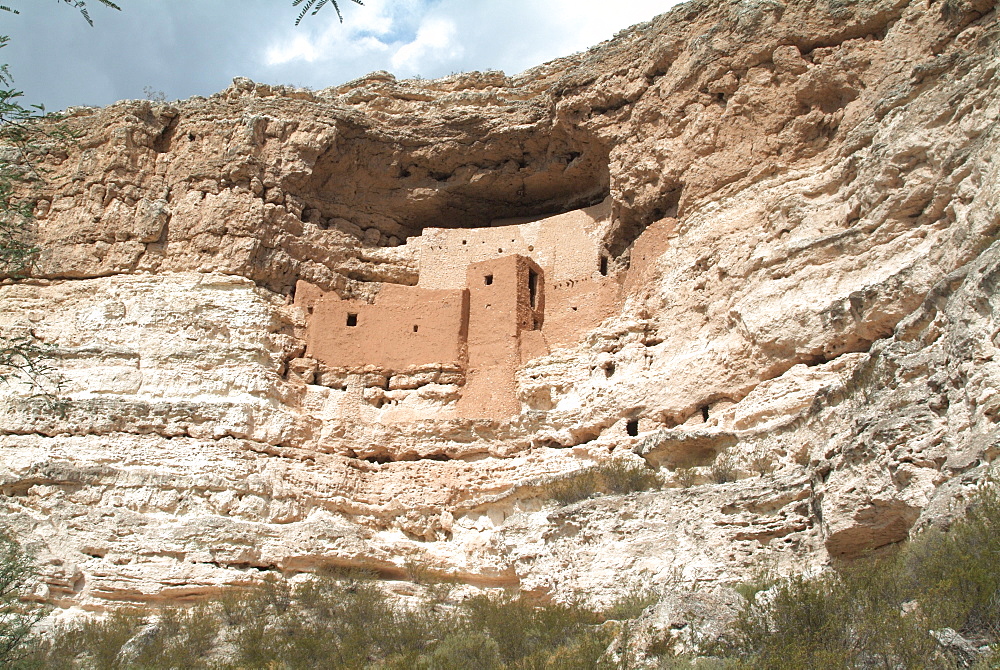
501 303
566 246
576 306
405 327
502 306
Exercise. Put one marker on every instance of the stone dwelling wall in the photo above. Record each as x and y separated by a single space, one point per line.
501 310
406 327
478 329
576 306
454 317
566 246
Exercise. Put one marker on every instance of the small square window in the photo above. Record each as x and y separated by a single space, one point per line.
352 320
488 279
416 328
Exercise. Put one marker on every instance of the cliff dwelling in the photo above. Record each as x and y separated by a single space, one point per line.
487 301
754 271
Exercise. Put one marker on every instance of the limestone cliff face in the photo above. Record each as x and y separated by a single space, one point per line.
793 286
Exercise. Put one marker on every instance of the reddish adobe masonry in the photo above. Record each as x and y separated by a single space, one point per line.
500 311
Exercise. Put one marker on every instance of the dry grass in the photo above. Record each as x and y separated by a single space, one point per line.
616 476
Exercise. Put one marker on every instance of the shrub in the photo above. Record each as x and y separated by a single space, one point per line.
576 487
619 476
526 635
321 624
93 643
761 461
341 624
17 617
799 626
880 611
630 605
955 575
465 649
846 620
723 469
762 578
616 476
325 624
686 477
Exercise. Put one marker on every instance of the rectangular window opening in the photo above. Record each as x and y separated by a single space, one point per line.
604 265
352 320
416 328
488 279
532 287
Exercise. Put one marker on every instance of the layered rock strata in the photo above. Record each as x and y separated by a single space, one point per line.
792 281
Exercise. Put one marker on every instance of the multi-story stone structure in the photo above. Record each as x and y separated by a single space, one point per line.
487 300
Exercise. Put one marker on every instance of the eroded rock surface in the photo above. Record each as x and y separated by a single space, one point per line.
789 313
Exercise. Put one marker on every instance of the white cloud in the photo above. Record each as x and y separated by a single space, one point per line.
323 38
298 48
434 43
188 47
520 34
434 38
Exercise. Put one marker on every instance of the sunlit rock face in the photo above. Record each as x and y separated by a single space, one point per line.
749 246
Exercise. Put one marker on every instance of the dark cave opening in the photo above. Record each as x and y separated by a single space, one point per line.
400 190
630 222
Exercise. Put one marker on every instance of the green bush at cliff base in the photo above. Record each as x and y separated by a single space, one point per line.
339 624
17 617
130 638
881 611
956 574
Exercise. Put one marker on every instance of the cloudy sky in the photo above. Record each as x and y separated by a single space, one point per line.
195 47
